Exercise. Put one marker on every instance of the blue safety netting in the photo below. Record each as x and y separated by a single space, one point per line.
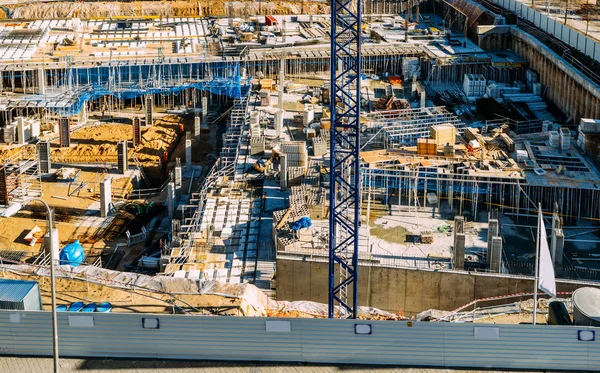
130 81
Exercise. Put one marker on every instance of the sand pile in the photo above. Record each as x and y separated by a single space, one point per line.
98 144
61 10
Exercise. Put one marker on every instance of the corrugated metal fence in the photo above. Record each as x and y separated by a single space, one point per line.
570 36
303 340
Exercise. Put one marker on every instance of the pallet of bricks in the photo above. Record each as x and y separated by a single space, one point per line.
296 161
285 238
321 144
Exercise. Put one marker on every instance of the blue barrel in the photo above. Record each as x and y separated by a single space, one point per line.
76 307
90 307
62 308
104 307
72 254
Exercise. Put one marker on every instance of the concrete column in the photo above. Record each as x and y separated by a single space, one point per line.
459 228
204 110
170 202
122 165
283 172
55 245
197 125
43 150
459 251
149 109
20 131
283 31
41 81
188 153
279 116
423 97
64 132
105 196
495 254
459 224
492 231
177 174
560 246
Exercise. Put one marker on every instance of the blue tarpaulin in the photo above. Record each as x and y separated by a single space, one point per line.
301 223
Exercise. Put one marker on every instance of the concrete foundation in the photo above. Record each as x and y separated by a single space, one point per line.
409 290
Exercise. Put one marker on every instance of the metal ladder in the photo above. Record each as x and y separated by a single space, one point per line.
140 168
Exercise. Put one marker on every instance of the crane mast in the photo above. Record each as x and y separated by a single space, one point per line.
344 154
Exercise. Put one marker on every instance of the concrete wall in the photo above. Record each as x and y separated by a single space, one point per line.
409 290
573 93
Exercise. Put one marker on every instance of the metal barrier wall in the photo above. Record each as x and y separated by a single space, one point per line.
570 36
303 340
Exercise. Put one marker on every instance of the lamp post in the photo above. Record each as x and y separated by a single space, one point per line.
13 209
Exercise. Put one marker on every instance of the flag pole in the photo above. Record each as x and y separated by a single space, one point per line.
537 263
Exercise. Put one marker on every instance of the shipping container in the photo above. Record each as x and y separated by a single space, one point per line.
20 295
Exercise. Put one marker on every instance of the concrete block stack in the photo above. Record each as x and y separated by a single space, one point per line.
295 175
588 136
474 85
565 138
257 145
320 146
296 154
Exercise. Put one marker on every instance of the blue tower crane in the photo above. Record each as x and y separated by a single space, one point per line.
345 163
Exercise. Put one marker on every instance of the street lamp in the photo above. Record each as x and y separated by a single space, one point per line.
10 211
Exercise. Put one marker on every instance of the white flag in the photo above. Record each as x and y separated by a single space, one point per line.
547 284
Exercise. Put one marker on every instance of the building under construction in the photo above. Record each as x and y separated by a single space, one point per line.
197 149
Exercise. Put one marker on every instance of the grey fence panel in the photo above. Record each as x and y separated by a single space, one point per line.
537 19
544 22
306 340
565 34
597 52
392 343
519 346
590 47
581 39
573 37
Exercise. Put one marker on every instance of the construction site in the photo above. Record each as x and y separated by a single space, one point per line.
186 152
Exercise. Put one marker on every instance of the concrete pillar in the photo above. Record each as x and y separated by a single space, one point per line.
20 131
495 254
188 153
41 81
279 116
149 109
204 110
459 228
459 224
55 245
177 174
278 122
197 125
284 23
64 132
283 172
105 196
122 157
423 96
492 231
170 202
137 132
43 153
560 246
459 251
